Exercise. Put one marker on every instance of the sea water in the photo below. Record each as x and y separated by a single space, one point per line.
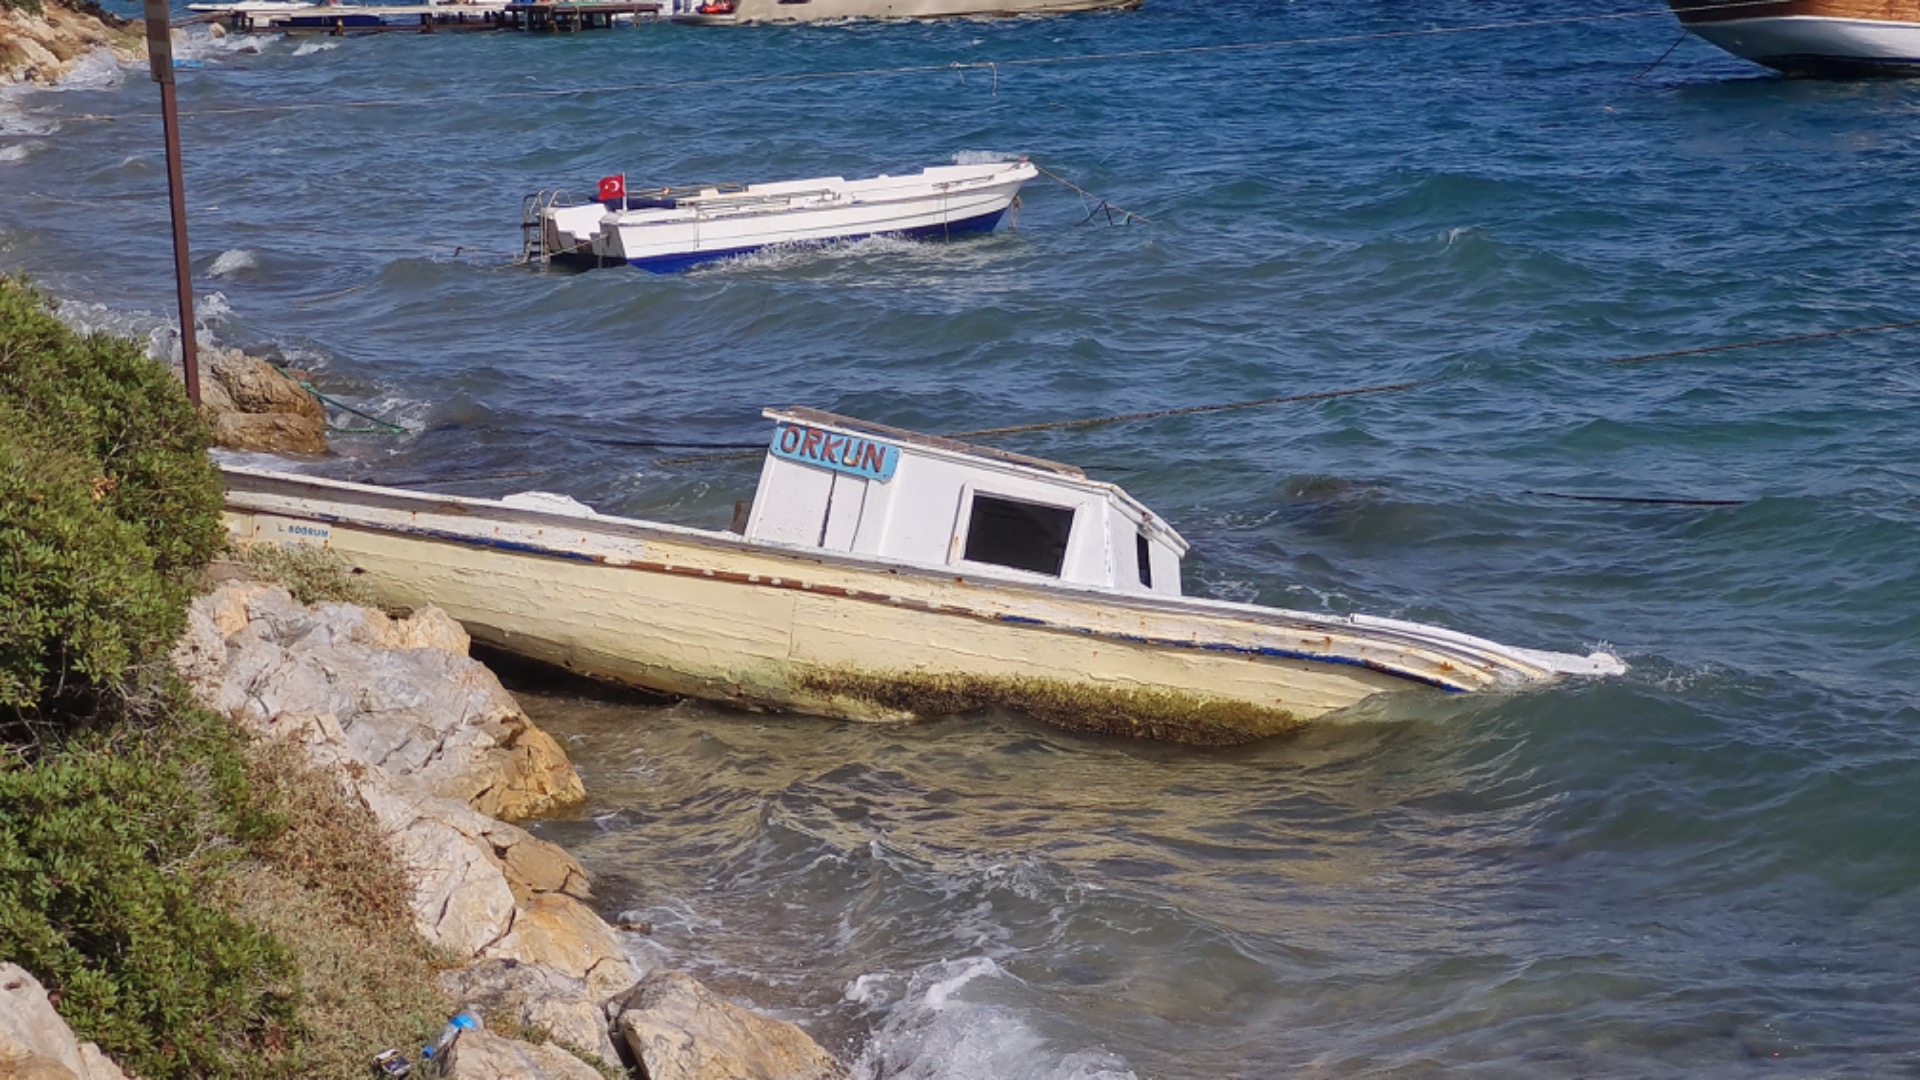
1710 867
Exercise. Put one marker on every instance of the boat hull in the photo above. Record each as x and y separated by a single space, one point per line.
676 262
1813 38
762 626
726 226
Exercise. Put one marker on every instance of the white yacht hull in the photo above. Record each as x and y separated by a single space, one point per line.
1813 37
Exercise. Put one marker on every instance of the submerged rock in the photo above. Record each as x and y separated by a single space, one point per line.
252 405
35 1044
679 1030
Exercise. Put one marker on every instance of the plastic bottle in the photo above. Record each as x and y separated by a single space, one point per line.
464 1020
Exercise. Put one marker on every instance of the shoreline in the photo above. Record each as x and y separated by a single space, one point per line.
429 741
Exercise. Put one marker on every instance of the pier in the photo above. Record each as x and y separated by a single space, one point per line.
338 20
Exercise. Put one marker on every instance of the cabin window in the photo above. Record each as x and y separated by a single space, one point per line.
1143 555
1020 535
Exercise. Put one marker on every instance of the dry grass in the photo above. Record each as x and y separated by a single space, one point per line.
330 888
313 575
1149 713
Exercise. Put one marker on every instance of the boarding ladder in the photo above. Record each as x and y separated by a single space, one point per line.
533 225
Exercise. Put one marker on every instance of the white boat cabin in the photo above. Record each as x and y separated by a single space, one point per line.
838 484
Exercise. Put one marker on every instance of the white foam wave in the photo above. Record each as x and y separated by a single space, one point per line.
982 157
16 122
946 1026
785 256
212 42
232 262
310 47
20 151
209 308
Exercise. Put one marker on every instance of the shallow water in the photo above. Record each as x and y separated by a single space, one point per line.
1706 867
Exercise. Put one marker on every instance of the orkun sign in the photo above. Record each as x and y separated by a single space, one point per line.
832 450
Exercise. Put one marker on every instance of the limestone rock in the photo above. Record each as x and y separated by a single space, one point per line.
482 1055
461 900
256 386
534 866
35 1044
408 699
564 934
679 1030
534 996
270 433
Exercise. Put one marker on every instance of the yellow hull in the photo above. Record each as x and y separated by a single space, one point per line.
710 616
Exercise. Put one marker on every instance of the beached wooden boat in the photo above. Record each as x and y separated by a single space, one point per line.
669 229
881 575
1812 37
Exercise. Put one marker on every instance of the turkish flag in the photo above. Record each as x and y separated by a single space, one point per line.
613 188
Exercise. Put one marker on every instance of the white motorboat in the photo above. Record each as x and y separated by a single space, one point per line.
882 575
672 229
1812 37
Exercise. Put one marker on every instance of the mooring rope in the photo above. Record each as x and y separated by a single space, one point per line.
1905 324
1099 203
380 427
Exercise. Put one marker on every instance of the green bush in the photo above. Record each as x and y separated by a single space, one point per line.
110 851
108 506
200 907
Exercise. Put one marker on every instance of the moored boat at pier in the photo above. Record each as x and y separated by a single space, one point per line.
668 229
1812 37
883 575
748 12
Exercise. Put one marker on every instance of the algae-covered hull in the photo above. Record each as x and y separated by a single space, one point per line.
711 615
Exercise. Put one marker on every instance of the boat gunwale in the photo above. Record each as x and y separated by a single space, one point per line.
1502 664
749 203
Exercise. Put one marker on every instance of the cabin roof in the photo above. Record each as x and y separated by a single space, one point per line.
868 427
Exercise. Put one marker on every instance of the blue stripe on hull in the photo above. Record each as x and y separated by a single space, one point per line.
670 264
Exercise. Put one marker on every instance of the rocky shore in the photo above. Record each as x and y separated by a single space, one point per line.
430 743
40 42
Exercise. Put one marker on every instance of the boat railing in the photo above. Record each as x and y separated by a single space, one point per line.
746 198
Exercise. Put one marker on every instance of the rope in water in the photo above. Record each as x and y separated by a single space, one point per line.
1324 395
1100 203
378 426
994 66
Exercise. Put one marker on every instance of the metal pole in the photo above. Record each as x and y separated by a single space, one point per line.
160 62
